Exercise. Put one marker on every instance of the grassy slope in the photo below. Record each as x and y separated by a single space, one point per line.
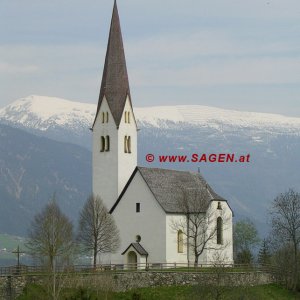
264 292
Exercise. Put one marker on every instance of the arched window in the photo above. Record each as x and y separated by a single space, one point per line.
103 117
219 231
129 144
180 241
107 143
125 144
107 117
102 144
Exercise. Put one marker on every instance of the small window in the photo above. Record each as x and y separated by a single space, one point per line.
129 144
102 144
125 116
107 115
103 117
219 205
125 144
107 144
219 231
138 207
128 117
138 238
180 241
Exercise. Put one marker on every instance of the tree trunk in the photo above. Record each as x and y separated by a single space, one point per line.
196 260
295 275
95 259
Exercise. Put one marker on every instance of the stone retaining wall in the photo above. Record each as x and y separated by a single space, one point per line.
11 286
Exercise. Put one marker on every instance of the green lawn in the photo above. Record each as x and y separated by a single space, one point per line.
264 292
190 293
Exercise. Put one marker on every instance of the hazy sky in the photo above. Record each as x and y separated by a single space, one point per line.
227 53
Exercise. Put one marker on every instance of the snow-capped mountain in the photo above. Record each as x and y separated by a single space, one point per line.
48 113
273 141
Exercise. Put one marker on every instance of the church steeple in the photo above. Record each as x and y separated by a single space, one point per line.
115 83
114 128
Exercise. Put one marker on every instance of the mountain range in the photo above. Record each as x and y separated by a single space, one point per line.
33 169
49 141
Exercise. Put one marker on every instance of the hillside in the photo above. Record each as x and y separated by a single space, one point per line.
32 169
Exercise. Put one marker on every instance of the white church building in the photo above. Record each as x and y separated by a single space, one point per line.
146 203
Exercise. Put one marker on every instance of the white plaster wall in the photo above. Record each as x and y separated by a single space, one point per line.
171 240
223 252
105 164
112 169
128 161
150 223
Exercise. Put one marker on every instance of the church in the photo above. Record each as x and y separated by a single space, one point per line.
163 216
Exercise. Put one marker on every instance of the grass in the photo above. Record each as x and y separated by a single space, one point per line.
263 292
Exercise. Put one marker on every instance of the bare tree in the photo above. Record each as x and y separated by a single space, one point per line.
51 241
97 230
285 214
51 236
219 284
199 225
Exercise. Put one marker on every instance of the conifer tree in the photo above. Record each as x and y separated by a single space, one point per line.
264 256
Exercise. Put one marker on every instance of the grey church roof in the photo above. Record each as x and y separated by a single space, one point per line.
167 186
115 83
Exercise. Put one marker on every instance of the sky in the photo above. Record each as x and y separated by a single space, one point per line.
233 54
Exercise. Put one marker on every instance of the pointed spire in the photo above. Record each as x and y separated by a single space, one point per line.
115 83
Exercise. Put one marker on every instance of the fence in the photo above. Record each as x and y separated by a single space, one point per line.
136 267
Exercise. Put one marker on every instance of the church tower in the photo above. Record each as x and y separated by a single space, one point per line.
114 128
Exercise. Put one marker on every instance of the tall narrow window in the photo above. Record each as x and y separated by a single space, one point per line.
107 117
138 207
129 144
103 117
128 117
125 144
125 116
180 241
219 231
107 143
102 144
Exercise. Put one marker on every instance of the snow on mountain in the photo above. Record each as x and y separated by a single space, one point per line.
42 113
215 117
